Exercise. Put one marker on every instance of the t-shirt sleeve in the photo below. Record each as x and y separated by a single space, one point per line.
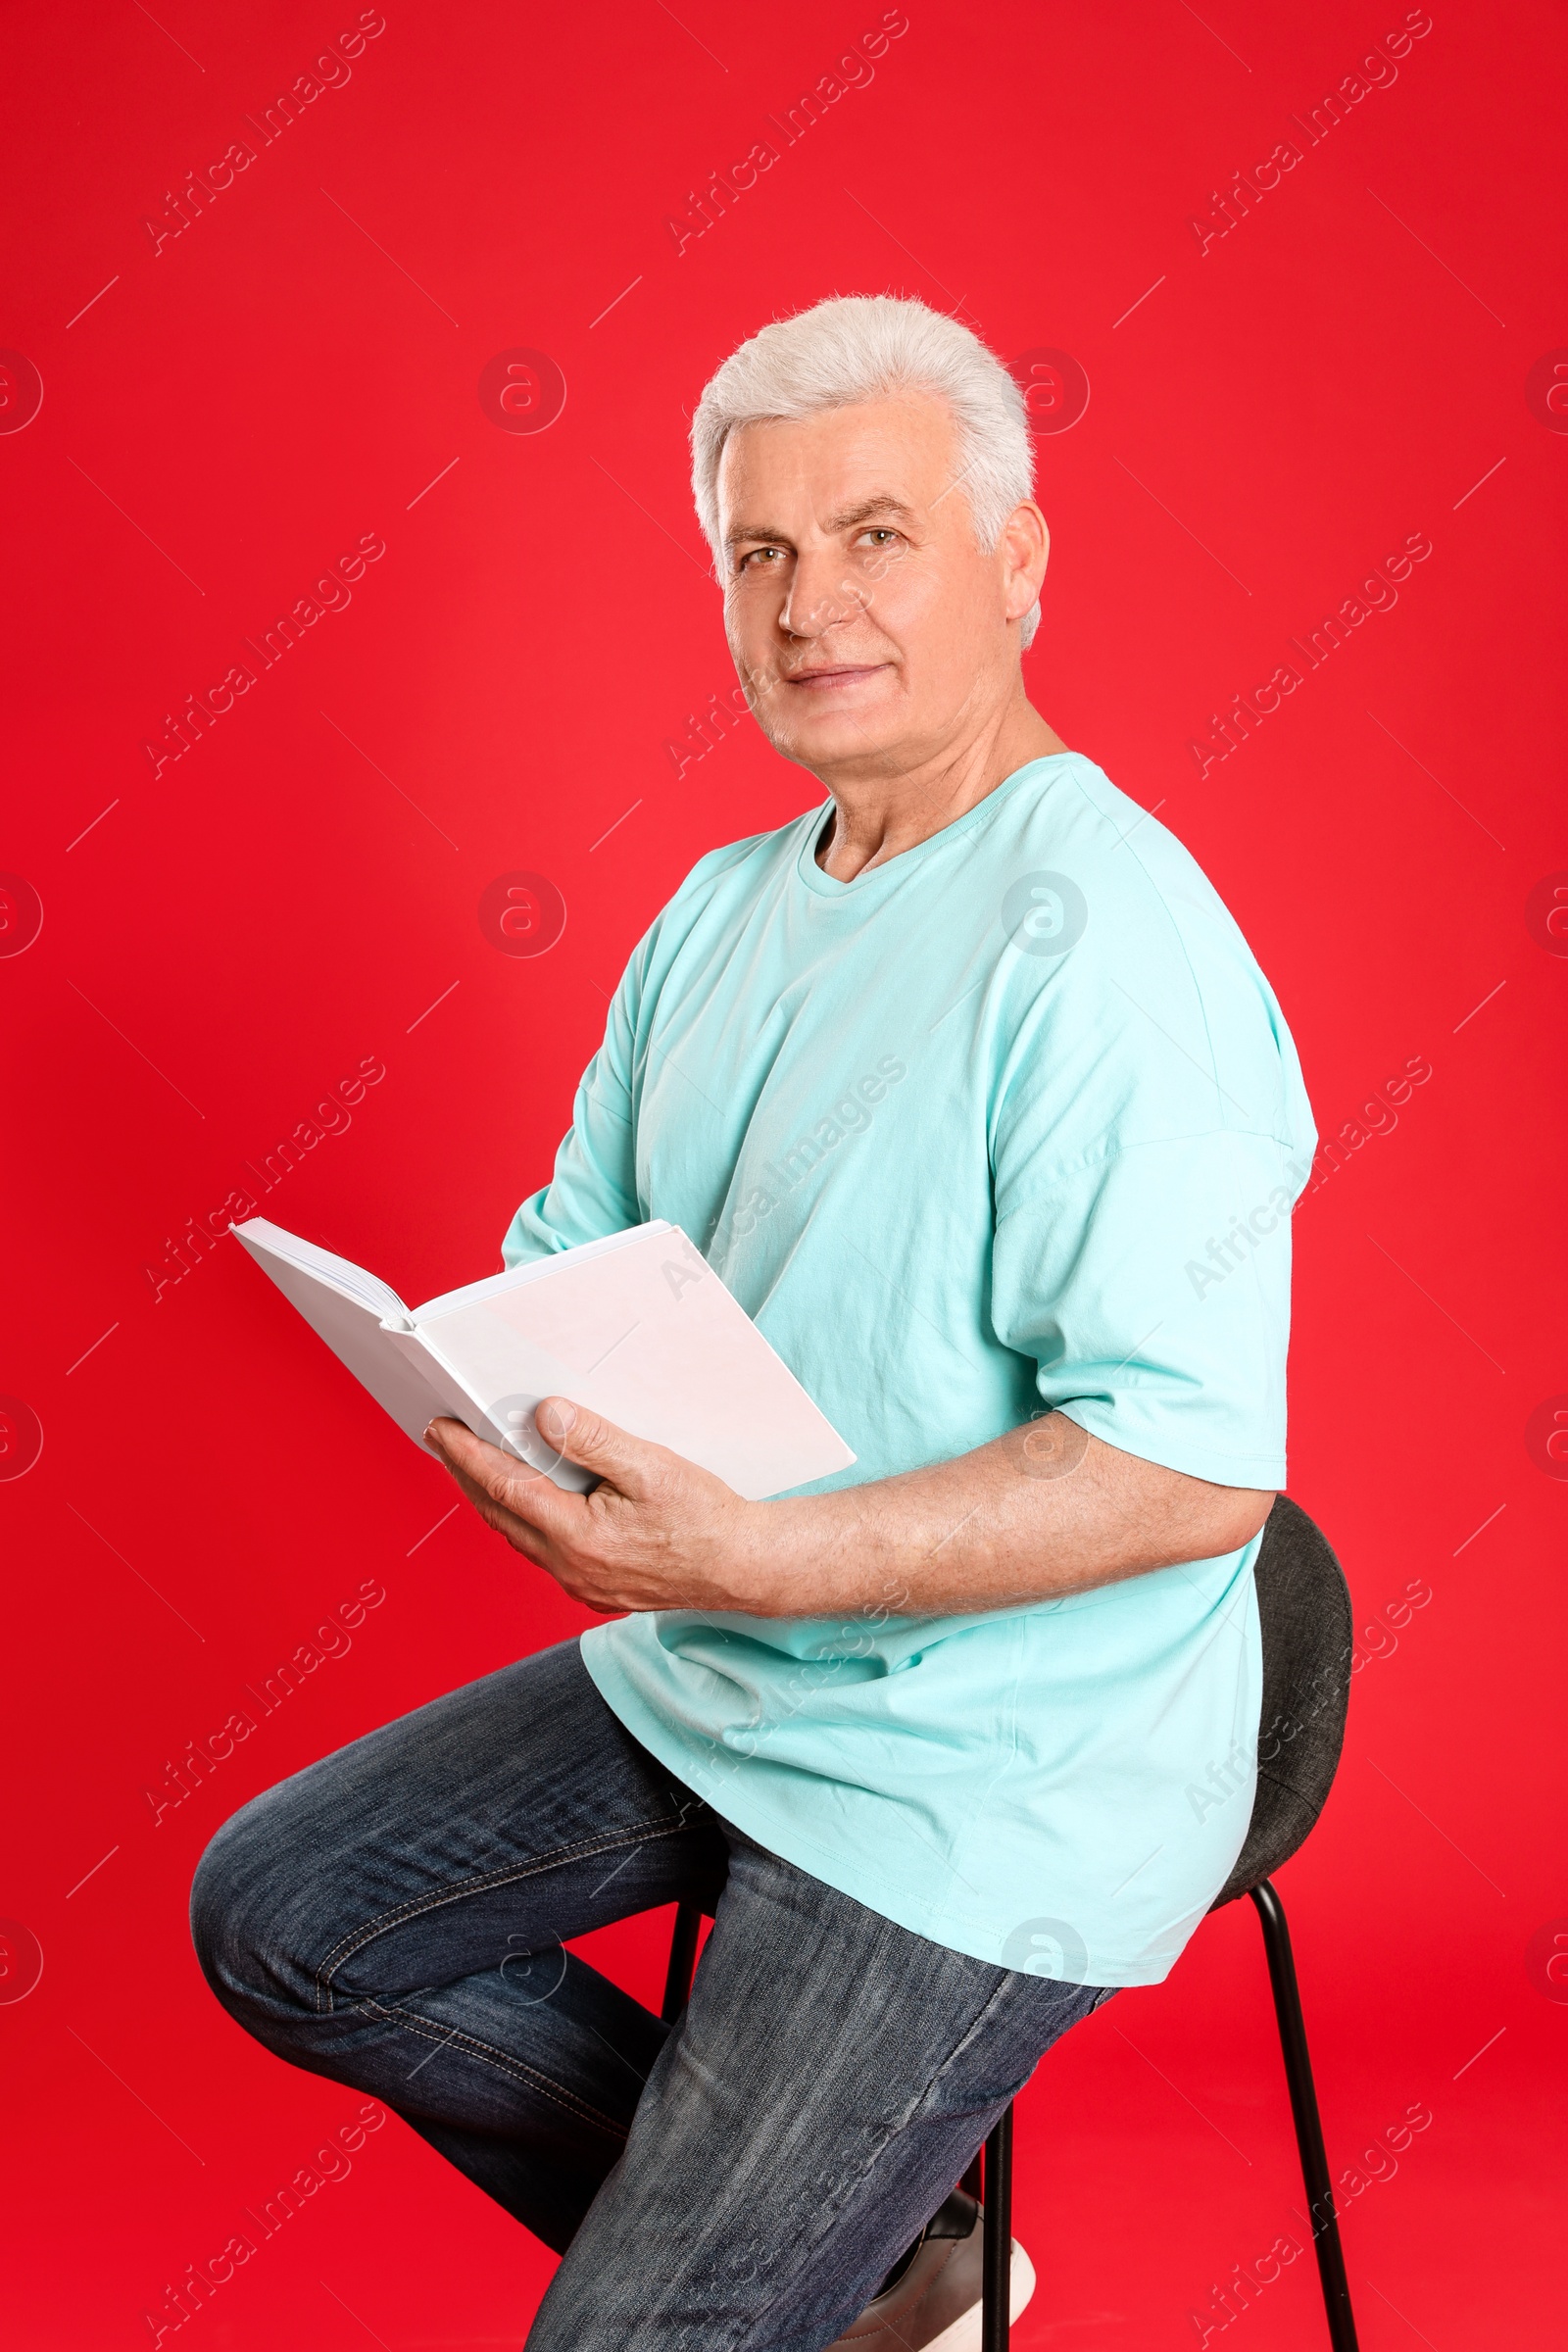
1151 1283
594 1189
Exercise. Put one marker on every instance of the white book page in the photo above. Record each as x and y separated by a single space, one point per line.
648 1336
266 1240
384 1356
532 1269
512 1430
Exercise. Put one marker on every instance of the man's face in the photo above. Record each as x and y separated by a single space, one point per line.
869 625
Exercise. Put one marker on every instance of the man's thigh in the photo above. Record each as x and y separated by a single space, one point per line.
831 2082
496 1822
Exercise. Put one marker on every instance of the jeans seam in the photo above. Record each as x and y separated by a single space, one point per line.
488 2054
641 1834
846 2190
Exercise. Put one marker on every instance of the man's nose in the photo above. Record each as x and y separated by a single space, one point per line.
823 593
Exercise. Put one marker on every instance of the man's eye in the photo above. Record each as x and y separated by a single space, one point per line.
878 536
752 560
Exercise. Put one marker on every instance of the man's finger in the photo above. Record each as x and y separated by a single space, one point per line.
595 1444
495 1498
527 1494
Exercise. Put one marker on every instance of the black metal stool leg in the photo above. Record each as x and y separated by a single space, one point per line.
996 2328
1309 2125
682 1960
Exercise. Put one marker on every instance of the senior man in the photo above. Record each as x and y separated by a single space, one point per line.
969 1088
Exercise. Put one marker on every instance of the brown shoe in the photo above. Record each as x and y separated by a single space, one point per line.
933 2304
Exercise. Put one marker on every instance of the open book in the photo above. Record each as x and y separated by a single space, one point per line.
637 1327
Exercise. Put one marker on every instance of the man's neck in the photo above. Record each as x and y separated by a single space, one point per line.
876 817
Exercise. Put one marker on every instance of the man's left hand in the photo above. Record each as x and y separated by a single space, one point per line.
656 1533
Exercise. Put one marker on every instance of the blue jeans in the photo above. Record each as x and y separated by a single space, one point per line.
397 1916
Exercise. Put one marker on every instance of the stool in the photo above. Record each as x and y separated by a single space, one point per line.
1303 1606
1305 1611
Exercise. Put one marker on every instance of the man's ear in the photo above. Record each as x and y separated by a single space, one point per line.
1025 547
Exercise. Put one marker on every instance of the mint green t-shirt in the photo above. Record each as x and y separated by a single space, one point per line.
1011 1123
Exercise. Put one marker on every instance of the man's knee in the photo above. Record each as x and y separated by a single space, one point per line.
239 1908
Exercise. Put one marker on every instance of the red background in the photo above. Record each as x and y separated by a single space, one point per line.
230 415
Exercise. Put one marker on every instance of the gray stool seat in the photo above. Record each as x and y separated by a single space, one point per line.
1304 1607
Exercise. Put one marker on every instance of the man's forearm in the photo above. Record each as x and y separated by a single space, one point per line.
1044 1511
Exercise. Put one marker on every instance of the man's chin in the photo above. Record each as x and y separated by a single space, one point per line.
869 728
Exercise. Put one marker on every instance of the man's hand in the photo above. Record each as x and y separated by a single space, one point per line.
656 1533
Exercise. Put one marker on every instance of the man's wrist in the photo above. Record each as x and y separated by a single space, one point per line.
761 1560
791 1554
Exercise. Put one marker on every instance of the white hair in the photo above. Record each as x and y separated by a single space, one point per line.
862 347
